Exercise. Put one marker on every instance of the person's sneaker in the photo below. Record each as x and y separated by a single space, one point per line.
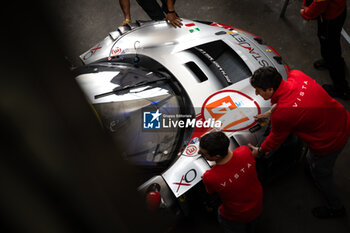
324 212
334 92
320 65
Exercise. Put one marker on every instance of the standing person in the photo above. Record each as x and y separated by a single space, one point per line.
235 180
304 108
153 10
330 15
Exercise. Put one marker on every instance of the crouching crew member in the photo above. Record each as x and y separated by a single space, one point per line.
235 180
305 109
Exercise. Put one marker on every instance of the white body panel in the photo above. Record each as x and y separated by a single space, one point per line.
171 48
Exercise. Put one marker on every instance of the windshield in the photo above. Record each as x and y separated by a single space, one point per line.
124 119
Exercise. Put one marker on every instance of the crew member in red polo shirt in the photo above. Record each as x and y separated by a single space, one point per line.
235 180
304 108
330 15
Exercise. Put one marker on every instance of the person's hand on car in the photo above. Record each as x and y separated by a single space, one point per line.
173 19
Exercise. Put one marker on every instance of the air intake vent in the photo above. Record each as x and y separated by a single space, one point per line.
197 71
259 40
278 59
223 61
123 29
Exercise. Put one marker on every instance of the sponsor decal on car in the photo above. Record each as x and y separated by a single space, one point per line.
232 108
188 178
116 51
194 140
241 41
92 51
191 150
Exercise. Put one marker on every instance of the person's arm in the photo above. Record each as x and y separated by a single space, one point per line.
125 5
266 115
280 130
256 151
172 17
316 8
207 183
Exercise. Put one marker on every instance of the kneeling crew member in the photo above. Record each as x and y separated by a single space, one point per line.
235 180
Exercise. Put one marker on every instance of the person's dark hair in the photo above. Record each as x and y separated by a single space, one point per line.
266 77
215 143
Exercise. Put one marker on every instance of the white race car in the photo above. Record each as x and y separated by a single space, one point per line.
158 89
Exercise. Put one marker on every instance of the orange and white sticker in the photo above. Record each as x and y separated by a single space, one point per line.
234 109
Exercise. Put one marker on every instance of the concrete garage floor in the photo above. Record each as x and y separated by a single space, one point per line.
288 201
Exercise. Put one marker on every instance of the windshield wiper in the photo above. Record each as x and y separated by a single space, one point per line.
131 86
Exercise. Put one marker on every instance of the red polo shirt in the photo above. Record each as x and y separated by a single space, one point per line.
305 109
330 8
238 186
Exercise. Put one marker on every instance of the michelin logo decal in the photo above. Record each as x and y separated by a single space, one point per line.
155 120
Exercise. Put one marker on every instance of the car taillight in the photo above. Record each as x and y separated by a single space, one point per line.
153 197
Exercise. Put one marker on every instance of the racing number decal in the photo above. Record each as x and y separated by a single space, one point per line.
234 109
223 106
188 177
